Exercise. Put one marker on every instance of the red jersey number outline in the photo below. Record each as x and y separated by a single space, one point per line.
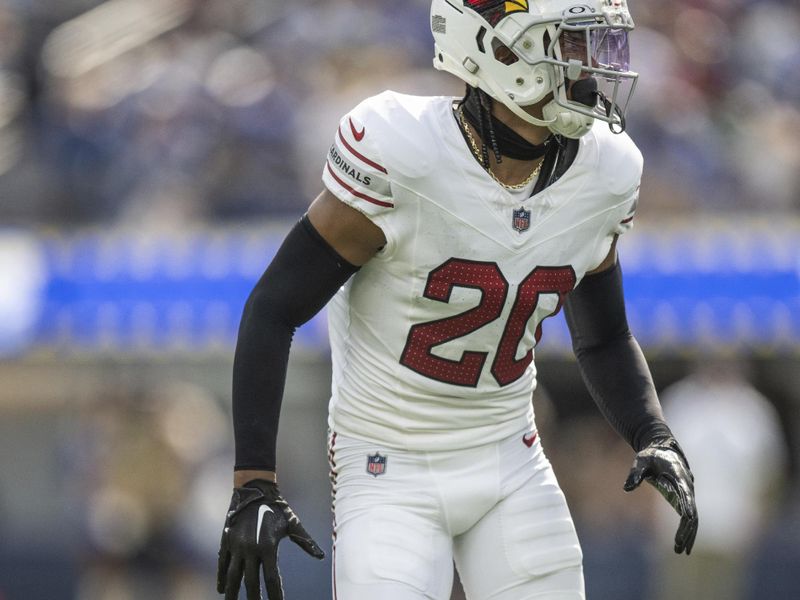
489 280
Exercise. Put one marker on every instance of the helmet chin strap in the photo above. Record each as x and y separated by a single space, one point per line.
501 96
567 122
557 119
570 123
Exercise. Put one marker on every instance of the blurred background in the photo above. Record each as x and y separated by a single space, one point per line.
154 152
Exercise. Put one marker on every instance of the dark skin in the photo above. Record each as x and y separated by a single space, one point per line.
357 239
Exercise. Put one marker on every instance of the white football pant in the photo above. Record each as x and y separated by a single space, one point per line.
496 510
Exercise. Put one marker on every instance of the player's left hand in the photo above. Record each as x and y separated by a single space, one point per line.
256 522
665 467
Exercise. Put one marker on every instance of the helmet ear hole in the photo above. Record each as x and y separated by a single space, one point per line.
503 53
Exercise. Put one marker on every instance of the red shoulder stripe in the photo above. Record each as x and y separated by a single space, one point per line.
628 220
356 192
360 156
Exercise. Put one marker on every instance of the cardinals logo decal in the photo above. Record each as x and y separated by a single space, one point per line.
495 10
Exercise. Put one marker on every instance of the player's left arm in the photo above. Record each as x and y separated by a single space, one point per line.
616 373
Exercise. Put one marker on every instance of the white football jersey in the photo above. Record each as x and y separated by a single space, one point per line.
432 340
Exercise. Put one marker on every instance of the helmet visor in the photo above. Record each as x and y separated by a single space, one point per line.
605 48
610 49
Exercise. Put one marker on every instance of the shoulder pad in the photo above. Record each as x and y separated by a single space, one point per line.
619 160
405 130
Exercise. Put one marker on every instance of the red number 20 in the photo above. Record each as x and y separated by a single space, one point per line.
489 280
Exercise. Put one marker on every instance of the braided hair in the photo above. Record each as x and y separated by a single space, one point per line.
479 103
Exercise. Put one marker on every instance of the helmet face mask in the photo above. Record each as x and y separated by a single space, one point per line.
593 49
556 41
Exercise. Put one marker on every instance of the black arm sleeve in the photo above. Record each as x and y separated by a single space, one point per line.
611 361
305 273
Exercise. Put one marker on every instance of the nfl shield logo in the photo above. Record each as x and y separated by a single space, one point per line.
376 464
521 220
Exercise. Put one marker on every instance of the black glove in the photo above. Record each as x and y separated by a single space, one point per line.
665 467
257 520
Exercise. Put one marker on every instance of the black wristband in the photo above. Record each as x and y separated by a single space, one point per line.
268 488
305 273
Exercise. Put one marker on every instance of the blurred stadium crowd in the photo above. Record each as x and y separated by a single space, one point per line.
169 110
169 114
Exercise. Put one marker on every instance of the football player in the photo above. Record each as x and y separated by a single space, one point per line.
449 229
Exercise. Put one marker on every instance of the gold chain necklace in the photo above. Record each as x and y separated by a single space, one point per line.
519 186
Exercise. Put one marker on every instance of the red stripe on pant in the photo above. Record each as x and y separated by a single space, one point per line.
332 463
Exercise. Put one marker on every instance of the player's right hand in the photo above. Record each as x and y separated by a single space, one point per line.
257 520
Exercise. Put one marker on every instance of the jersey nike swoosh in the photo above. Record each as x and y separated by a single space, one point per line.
359 135
262 510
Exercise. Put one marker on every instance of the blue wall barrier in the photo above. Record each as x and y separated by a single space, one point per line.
719 285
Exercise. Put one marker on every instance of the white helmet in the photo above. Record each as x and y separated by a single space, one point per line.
555 42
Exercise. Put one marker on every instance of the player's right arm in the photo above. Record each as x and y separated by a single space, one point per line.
356 239
317 257
354 236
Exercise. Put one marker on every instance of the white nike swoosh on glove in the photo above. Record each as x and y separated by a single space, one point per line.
262 510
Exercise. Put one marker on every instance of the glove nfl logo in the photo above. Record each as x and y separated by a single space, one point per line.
376 464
